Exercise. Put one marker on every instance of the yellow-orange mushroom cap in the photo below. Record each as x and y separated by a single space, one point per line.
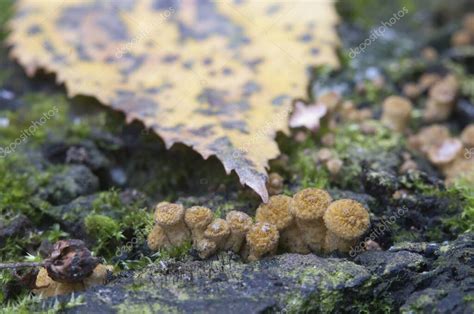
198 217
217 230
238 221
310 204
276 212
262 238
168 214
347 219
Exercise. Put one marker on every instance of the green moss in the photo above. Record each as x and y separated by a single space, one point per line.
354 147
6 12
101 226
302 164
177 252
464 190
21 180
104 230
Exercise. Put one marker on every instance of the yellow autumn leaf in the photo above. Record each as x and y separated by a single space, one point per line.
218 76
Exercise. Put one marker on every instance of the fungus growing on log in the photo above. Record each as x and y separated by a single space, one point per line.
441 99
467 136
277 212
157 239
215 237
262 240
396 113
170 217
446 152
308 207
346 220
239 224
197 218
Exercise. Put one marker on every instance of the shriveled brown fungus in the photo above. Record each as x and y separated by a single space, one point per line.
170 217
262 240
346 220
308 207
277 212
239 224
69 267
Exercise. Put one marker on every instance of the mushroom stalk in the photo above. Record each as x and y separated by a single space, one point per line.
170 217
239 224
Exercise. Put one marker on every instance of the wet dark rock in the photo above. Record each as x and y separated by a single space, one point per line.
424 248
74 181
84 153
71 216
464 112
390 263
285 282
377 281
15 227
449 285
379 183
365 199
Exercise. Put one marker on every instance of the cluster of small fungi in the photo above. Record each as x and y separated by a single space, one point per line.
446 152
310 221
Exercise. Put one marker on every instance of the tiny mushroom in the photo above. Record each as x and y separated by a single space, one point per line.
396 112
441 99
428 137
216 232
346 220
157 239
47 287
446 152
170 217
275 184
468 23
429 53
239 224
461 38
262 240
334 166
197 218
308 207
467 136
277 212
411 90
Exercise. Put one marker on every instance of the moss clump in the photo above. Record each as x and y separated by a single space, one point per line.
6 11
105 230
303 165
464 222
133 216
21 180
